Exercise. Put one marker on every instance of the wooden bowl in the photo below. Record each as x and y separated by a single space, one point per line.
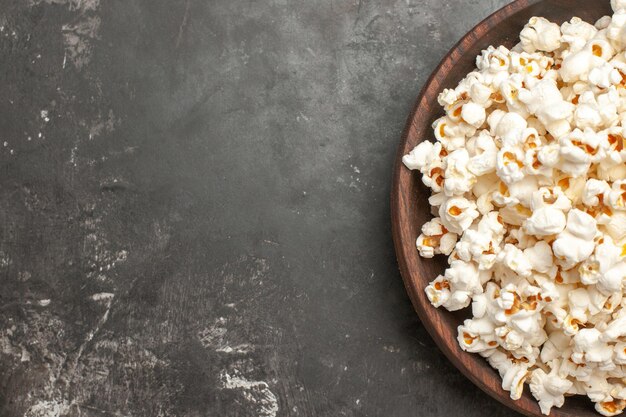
409 197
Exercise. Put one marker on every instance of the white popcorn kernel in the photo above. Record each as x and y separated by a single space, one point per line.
594 192
540 257
539 34
545 101
617 5
438 292
477 335
588 347
515 260
615 329
575 243
616 227
508 124
578 150
481 94
551 197
509 165
578 304
458 180
545 221
475 114
513 381
616 31
435 239
604 76
548 389
576 66
604 268
463 280
577 33
493 60
419 157
597 387
449 133
617 195
447 97
555 346
457 214
484 161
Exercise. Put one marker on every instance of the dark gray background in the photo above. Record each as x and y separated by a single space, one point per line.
194 208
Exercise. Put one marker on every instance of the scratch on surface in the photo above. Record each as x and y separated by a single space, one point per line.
181 29
243 348
92 333
257 393
358 13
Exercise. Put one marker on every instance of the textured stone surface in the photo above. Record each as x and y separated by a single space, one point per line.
194 213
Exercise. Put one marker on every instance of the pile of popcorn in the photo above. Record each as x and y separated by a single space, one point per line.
528 180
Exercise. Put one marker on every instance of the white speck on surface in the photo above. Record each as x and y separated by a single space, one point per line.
45 116
102 296
45 303
391 349
48 409
73 155
256 393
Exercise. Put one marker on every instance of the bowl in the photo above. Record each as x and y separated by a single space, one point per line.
409 197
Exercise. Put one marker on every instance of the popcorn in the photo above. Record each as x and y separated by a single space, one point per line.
509 165
604 268
485 159
616 29
544 100
549 389
515 260
575 243
540 35
457 214
513 374
589 348
618 5
528 179
545 221
540 257
576 33
458 180
435 239
475 114
455 288
617 195
605 75
595 192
